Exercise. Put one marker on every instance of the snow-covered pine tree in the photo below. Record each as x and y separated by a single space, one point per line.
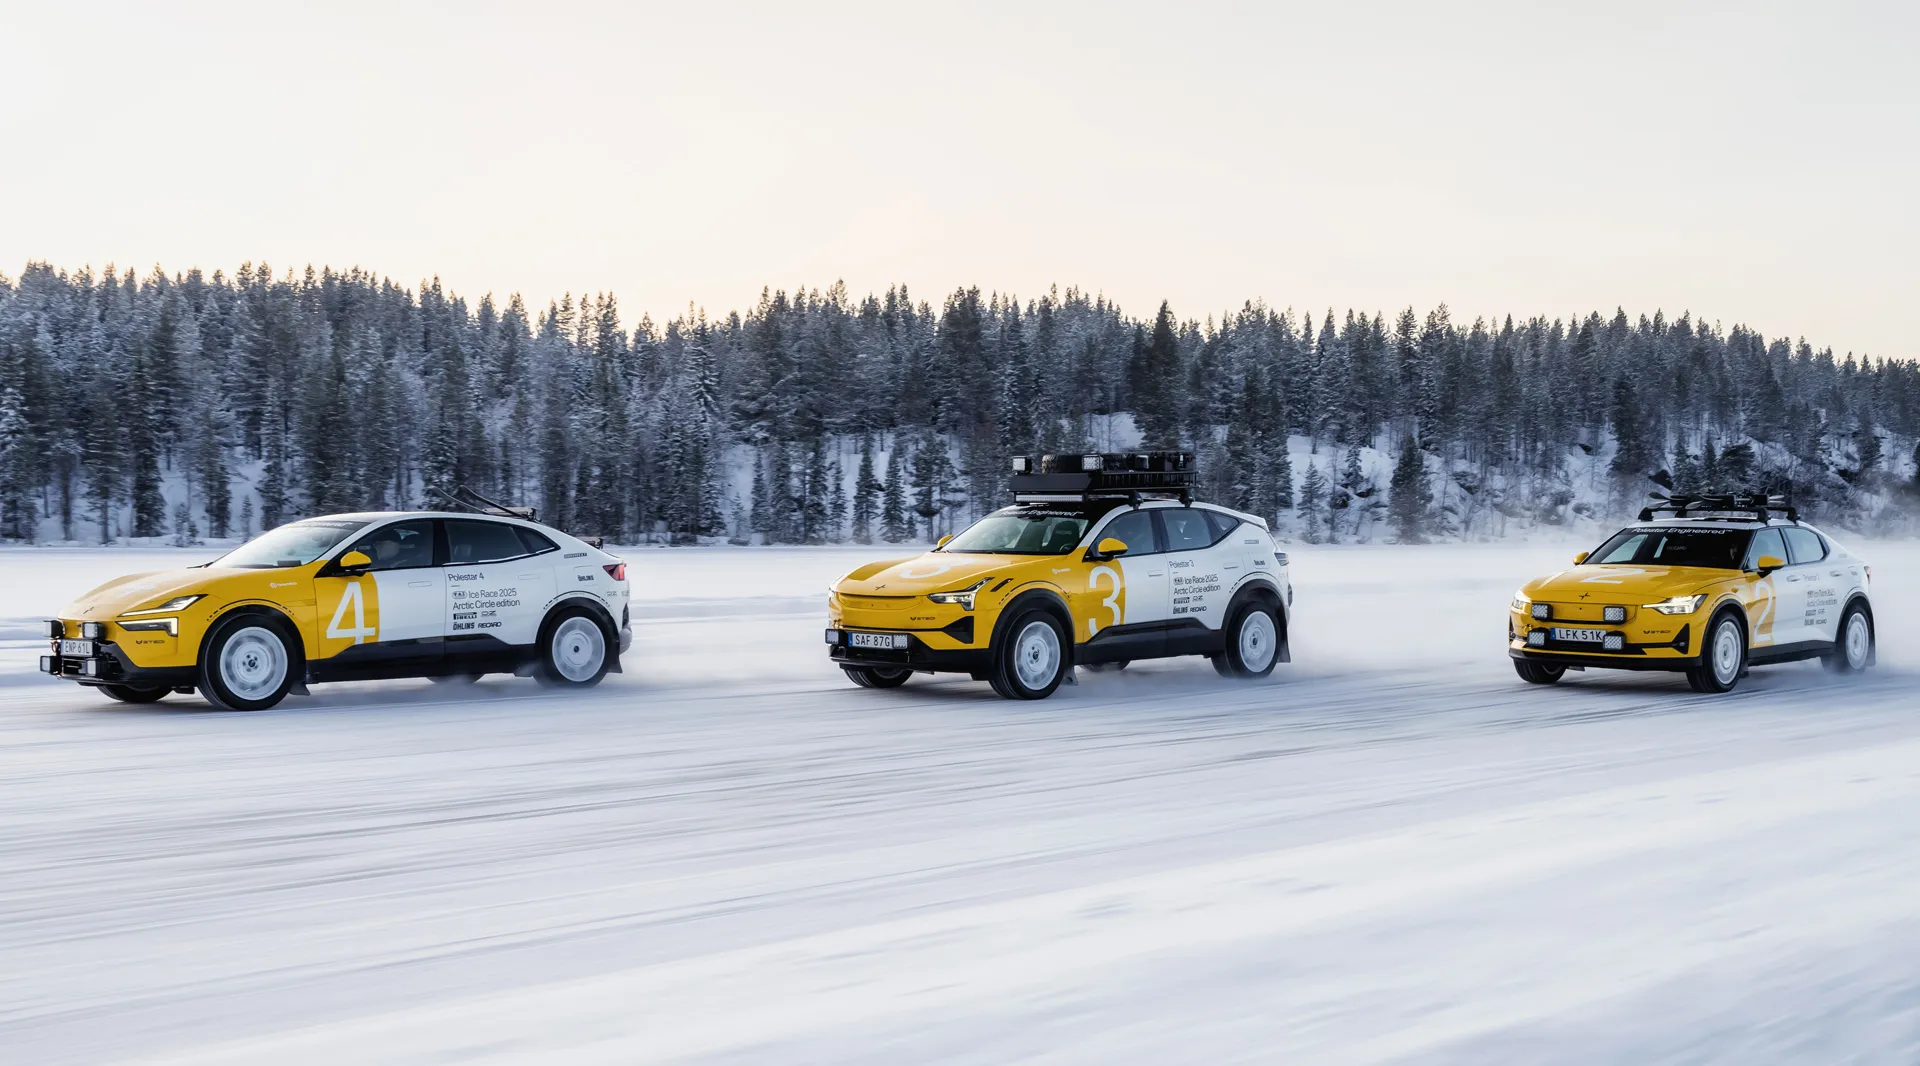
896 523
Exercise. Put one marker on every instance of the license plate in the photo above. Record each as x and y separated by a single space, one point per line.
870 640
1585 636
76 649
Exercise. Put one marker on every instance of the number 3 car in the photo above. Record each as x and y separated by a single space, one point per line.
1102 559
1705 584
450 596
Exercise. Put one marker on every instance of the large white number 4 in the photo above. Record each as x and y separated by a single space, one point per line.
360 631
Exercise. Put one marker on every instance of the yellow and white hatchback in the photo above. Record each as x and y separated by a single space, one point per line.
1705 585
451 596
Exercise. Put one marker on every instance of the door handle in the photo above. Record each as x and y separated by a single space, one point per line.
419 584
1155 573
1835 573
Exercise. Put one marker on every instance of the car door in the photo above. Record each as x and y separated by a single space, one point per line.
1774 602
497 587
392 613
1200 574
1130 592
1819 584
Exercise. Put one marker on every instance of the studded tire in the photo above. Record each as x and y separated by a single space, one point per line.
575 651
877 676
249 662
1253 643
1853 652
1723 655
1031 659
1538 673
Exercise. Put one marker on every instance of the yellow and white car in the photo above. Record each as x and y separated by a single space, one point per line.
451 596
1102 560
1705 585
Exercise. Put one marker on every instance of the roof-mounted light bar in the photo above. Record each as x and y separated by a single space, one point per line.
1078 476
1720 506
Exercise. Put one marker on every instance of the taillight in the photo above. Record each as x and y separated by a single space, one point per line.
616 571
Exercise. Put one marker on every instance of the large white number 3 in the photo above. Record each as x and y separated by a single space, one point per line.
1111 603
360 631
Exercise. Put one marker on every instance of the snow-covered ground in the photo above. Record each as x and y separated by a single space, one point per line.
1393 852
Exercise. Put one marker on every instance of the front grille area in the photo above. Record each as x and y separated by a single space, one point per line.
876 603
1588 612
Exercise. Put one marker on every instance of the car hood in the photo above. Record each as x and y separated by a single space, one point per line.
134 591
1620 584
932 572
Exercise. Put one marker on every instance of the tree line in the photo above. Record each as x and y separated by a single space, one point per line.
218 405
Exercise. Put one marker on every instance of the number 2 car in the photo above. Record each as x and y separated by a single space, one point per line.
1103 559
1705 585
451 596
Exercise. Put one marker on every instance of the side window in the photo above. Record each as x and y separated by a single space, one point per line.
398 545
1136 529
1187 529
470 541
1765 542
1805 544
1223 525
535 541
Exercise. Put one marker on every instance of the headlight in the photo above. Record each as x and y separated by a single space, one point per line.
964 597
1678 604
171 626
178 603
1521 602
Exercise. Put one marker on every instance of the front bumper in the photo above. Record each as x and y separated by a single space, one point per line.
1624 648
917 655
109 665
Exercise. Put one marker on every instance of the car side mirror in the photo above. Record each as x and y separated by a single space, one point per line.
355 562
942 542
1581 558
1110 548
1767 564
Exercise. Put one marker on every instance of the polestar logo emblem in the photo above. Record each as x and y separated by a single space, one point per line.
877 588
1584 595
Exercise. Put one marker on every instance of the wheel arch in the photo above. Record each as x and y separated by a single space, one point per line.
1267 593
1045 599
1873 625
296 640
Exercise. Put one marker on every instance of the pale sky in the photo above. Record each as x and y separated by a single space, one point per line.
1749 166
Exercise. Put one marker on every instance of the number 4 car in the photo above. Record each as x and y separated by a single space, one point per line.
1707 585
450 596
1103 559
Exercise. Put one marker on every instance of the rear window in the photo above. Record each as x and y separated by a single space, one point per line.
1705 546
536 542
1222 524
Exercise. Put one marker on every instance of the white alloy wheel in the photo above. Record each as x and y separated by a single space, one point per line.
1257 639
578 649
253 664
1036 655
1726 652
1859 640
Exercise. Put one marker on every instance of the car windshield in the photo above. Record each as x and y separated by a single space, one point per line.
1714 548
294 544
1028 529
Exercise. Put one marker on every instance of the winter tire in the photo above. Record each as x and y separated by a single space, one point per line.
573 649
248 664
877 676
135 694
1031 660
1538 673
1253 642
1853 652
1723 655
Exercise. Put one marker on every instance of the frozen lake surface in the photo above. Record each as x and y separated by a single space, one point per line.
1393 852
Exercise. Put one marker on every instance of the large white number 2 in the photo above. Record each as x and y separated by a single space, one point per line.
360 631
1111 603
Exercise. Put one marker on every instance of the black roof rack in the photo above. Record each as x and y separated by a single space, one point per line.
1081 475
465 499
1720 506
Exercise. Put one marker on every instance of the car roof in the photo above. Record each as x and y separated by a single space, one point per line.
1721 523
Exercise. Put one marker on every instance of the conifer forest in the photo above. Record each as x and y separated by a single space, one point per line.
194 405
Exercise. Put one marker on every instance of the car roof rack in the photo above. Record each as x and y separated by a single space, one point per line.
1132 476
1720 507
465 499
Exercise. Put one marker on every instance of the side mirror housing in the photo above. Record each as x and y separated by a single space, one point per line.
355 562
1109 548
1767 564
943 542
1581 558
